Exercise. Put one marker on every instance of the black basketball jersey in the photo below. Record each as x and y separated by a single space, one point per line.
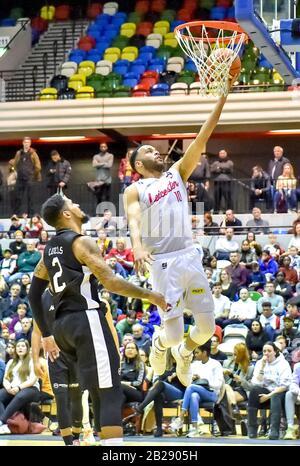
74 286
48 309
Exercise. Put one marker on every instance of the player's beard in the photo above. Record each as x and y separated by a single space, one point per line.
153 165
85 218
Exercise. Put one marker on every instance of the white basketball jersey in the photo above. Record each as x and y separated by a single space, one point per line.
165 223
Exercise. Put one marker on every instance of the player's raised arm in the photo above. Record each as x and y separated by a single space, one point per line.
133 215
187 164
87 253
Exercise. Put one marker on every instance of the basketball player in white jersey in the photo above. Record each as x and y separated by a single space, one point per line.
161 234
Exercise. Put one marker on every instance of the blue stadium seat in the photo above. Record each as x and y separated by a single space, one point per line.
218 13
160 89
130 82
175 23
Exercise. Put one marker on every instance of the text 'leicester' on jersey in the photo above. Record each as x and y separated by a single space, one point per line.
74 287
165 222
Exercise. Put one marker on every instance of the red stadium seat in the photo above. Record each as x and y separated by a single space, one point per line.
62 12
140 91
94 9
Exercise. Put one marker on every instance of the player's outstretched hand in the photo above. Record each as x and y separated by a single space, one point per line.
51 348
159 300
141 257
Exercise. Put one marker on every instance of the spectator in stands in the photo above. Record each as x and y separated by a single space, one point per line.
166 388
203 368
268 265
269 296
11 181
125 325
255 340
222 171
290 273
238 372
288 331
15 324
128 337
269 320
26 262
282 287
271 379
16 225
26 331
123 255
58 173
225 245
103 162
9 305
25 280
42 242
197 194
242 311
248 254
142 340
238 273
28 167
295 241
295 221
215 353
213 264
107 224
21 385
292 397
103 242
201 174
126 175
210 227
33 227
10 349
259 187
18 246
133 373
273 246
257 224
229 288
292 252
221 304
231 221
285 198
276 165
256 278
7 265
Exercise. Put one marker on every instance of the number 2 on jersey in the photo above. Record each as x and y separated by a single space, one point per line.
57 287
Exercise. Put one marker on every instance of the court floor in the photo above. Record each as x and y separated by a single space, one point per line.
49 440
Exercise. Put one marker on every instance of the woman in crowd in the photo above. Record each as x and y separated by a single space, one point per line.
43 240
295 241
255 340
285 196
167 388
20 384
271 379
229 289
248 255
34 227
237 372
132 374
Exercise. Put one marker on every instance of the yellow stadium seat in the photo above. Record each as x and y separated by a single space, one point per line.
129 53
48 12
77 81
112 54
86 67
170 39
128 29
48 93
85 92
161 27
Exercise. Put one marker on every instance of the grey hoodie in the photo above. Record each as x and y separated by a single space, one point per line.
276 374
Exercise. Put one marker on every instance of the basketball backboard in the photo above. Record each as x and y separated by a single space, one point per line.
265 21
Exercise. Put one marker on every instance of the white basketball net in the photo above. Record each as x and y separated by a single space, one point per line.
213 73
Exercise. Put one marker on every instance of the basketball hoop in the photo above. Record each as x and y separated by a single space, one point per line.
213 46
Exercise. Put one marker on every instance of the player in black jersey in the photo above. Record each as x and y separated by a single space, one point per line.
63 377
73 265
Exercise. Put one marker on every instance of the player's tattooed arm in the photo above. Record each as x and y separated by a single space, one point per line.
41 271
87 253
